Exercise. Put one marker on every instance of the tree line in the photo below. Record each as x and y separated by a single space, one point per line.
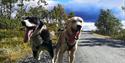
108 24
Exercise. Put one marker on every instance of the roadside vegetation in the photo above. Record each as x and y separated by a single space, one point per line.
12 47
109 25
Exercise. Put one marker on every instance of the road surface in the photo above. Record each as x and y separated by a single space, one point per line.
95 49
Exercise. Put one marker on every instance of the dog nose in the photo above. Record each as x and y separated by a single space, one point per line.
79 26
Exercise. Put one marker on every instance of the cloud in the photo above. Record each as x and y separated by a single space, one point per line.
78 4
85 1
31 4
100 3
89 26
90 9
51 4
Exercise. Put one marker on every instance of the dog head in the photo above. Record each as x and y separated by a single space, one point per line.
75 23
30 24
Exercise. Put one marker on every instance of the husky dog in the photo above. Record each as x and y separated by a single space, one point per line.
68 39
37 33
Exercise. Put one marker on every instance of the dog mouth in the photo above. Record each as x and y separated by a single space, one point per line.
78 28
28 34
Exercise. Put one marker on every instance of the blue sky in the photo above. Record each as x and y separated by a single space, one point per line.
89 10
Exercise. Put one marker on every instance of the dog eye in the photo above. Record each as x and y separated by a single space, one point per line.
73 21
80 21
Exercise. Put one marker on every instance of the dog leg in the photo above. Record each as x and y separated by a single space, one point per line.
68 52
61 52
72 55
56 54
35 54
60 58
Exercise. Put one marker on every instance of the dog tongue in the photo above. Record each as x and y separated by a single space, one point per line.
72 38
77 34
27 35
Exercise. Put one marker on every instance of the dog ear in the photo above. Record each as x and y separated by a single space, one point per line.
68 23
68 26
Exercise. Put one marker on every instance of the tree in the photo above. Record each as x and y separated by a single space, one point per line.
7 5
107 23
59 14
0 7
71 14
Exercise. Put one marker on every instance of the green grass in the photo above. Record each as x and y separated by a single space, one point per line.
12 47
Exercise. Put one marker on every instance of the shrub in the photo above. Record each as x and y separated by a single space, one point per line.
9 23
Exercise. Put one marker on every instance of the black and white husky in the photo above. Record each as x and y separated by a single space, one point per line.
37 33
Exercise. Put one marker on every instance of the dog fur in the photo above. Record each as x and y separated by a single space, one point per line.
63 42
38 35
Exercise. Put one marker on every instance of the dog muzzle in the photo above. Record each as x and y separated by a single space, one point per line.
78 28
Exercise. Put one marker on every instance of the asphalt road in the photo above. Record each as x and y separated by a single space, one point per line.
95 49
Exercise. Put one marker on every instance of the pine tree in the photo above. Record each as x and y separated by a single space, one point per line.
107 23
7 5
71 14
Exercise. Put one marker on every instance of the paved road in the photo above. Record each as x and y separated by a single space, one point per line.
96 49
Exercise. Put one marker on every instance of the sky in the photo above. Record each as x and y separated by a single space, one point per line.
89 10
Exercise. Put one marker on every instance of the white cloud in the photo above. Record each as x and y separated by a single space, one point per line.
111 3
100 3
51 4
29 4
85 1
89 26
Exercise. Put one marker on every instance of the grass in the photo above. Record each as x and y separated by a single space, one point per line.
101 36
12 47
